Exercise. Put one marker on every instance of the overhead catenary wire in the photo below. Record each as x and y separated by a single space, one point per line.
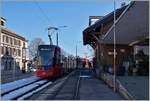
43 12
47 20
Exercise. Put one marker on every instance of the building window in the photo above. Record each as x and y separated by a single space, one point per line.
19 52
15 42
11 41
19 43
3 38
6 39
10 51
16 52
6 50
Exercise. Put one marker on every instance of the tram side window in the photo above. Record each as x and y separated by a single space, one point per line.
58 58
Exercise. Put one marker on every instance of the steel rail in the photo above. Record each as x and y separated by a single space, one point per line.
76 93
15 94
17 87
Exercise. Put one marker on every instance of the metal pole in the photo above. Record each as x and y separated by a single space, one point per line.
114 80
76 57
57 38
50 39
0 56
55 29
76 50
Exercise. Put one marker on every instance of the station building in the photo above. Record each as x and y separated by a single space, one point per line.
132 34
13 49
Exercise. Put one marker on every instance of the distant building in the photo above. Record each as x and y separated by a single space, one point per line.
13 49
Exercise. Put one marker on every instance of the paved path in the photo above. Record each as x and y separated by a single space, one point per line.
137 86
94 89
90 88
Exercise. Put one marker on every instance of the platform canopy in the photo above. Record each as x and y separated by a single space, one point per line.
132 25
95 28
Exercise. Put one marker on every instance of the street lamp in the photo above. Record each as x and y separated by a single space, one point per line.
77 53
114 35
53 29
24 58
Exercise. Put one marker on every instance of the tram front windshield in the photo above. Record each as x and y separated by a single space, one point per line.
46 57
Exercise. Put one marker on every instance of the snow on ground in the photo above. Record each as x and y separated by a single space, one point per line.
31 93
23 90
12 85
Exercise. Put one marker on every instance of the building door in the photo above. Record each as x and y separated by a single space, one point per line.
10 66
5 65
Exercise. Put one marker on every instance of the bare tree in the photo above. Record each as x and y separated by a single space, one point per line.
33 46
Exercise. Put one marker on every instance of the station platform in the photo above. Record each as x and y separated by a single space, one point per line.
84 86
137 86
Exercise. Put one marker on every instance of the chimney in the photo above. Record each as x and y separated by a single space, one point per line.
3 20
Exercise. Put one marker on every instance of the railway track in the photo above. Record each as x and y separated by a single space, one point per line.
76 90
71 83
23 88
70 87
43 89
69 90
6 88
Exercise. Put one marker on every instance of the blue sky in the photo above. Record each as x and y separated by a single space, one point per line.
28 20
